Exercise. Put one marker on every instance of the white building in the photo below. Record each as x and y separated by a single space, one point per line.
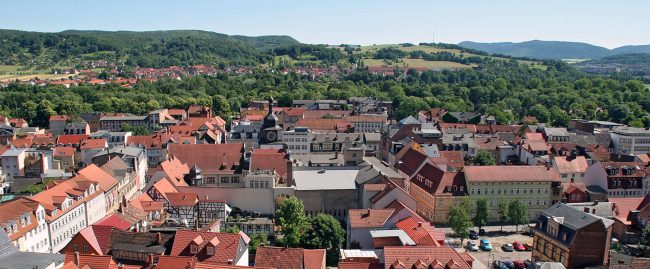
298 140
630 140
24 222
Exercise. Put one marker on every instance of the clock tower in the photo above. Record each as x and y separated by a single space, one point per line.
270 131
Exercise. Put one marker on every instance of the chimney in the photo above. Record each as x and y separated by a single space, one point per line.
76 258
158 238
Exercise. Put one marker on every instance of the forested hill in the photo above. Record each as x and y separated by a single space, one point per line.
539 49
146 49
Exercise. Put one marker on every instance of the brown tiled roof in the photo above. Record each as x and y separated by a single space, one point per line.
410 161
322 124
454 158
570 187
469 127
182 199
270 159
14 210
408 257
577 165
369 218
360 265
496 173
64 151
437 182
90 261
289 258
227 246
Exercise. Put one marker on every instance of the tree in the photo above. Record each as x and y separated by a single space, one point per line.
482 213
504 209
637 123
290 216
484 157
257 239
410 106
518 213
220 105
135 130
460 221
231 230
540 112
645 238
619 113
325 232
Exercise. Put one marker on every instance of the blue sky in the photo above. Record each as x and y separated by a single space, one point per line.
605 23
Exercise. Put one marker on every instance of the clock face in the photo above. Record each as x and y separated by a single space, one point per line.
271 136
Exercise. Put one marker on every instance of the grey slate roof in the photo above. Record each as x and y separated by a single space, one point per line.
409 120
573 218
12 258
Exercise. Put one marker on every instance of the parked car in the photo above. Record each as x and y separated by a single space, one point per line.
485 245
509 264
472 246
473 235
496 264
519 246
519 264
507 247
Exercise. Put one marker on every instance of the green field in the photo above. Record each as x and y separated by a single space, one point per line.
13 72
647 86
429 49
415 63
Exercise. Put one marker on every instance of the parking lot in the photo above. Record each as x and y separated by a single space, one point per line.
497 238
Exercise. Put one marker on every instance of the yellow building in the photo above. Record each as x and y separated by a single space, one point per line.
435 191
537 187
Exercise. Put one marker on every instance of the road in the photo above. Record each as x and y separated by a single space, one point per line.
497 238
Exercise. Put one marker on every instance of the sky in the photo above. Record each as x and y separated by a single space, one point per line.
605 23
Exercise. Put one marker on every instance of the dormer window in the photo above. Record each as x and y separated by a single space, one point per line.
194 249
209 250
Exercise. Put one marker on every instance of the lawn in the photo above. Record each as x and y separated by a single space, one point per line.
647 86
13 72
416 63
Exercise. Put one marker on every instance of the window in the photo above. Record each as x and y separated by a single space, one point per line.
209 251
86 248
194 249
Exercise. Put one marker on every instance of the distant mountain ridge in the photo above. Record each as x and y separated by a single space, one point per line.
540 49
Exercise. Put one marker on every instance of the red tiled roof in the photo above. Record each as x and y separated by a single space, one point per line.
322 124
164 186
369 218
270 159
96 174
422 233
71 139
360 265
623 206
411 160
454 158
535 145
114 220
213 157
438 183
226 249
94 144
182 199
24 142
159 140
408 257
319 114
90 261
570 187
469 127
59 118
534 136
289 258
495 173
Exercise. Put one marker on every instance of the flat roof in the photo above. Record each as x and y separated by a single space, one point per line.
401 234
325 178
